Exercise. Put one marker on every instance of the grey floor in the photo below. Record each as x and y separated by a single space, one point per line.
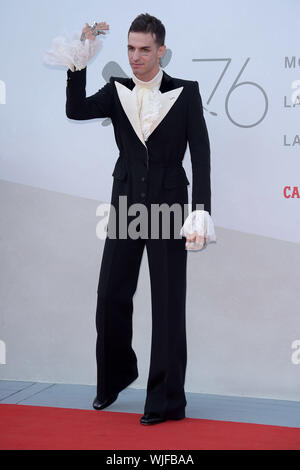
130 400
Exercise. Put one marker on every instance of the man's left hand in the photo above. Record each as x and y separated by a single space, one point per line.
196 239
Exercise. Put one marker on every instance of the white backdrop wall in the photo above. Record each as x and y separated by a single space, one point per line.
55 171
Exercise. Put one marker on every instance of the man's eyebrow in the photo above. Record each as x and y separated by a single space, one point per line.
144 47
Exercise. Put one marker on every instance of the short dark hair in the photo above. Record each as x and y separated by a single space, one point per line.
145 23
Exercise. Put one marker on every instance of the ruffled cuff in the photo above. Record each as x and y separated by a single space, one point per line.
71 52
200 221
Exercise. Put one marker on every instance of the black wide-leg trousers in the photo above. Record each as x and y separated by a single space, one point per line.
116 359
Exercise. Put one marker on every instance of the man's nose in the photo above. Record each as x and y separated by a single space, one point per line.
136 55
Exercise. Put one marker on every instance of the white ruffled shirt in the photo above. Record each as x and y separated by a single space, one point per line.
75 54
148 101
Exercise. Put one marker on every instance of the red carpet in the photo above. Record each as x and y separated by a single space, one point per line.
37 427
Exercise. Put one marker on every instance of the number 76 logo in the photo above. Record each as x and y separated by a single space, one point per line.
232 89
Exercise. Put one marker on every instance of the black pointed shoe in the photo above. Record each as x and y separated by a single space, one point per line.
98 405
153 418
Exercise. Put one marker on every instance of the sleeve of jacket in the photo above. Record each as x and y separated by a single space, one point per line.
200 151
80 107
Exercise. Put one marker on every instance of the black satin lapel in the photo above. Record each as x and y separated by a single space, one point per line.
166 83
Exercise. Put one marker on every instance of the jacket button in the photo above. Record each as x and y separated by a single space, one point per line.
143 195
143 178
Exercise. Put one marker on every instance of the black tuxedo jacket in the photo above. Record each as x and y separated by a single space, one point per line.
181 121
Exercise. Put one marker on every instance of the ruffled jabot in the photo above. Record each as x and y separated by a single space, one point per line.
148 101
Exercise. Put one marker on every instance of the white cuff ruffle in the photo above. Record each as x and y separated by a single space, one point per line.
71 52
200 221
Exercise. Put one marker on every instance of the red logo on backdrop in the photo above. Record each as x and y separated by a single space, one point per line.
291 192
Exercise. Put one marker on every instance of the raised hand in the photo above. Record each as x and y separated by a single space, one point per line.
92 31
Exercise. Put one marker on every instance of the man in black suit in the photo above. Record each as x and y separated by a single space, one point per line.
154 116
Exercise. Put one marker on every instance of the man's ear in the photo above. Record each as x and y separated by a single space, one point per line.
162 50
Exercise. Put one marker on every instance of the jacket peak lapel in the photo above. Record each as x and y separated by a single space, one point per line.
127 97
